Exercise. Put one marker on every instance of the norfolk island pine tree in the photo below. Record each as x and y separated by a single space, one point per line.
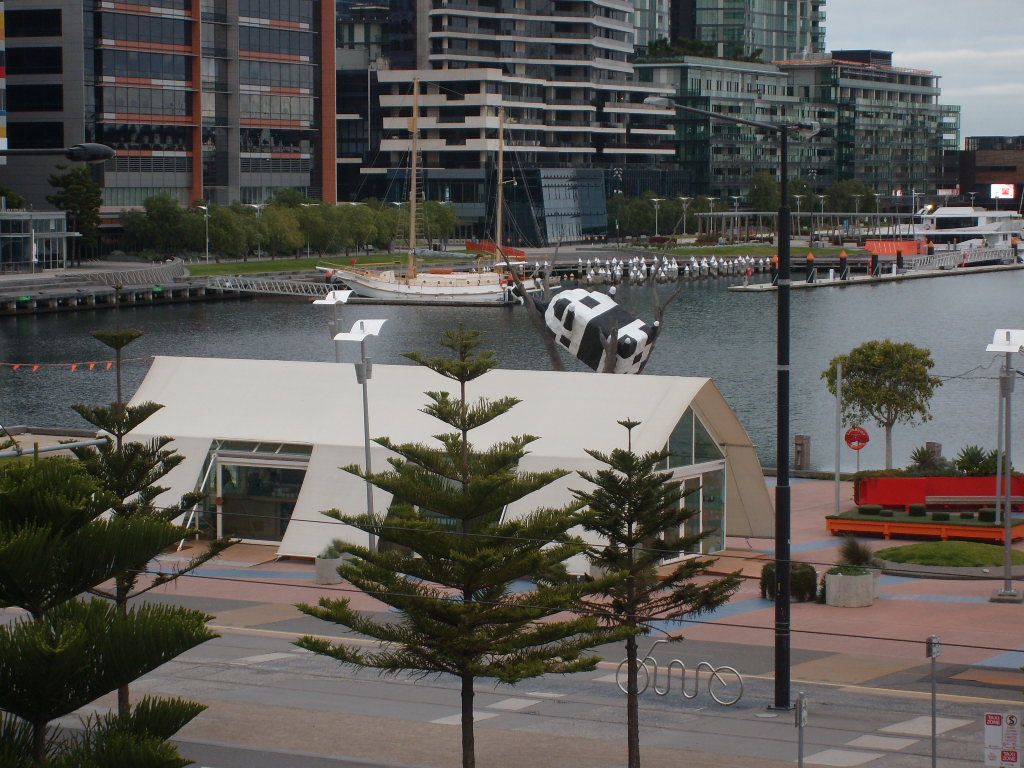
452 582
630 507
68 651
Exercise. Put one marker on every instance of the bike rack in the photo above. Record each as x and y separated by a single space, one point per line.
724 677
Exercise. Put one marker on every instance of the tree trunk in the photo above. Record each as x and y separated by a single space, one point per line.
632 705
888 446
468 745
39 742
124 705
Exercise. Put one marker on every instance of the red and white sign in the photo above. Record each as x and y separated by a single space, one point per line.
1003 747
1002 192
857 437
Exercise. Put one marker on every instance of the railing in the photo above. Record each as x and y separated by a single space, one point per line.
947 259
165 273
266 285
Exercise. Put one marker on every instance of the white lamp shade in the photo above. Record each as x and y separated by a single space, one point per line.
1006 340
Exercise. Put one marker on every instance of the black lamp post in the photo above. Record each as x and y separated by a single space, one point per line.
782 488
79 153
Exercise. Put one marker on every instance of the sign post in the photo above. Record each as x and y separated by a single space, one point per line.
932 650
1003 740
857 438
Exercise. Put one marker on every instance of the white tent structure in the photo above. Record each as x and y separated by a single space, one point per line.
266 440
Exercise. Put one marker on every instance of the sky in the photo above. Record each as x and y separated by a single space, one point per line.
977 46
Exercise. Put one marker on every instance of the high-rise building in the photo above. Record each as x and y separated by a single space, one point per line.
563 76
202 99
891 132
880 125
3 87
765 29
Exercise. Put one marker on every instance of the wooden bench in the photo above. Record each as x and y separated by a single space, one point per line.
963 501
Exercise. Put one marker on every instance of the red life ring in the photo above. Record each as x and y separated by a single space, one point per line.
857 437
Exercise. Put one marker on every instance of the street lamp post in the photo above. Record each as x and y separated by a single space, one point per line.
335 299
657 203
206 215
79 153
736 216
686 204
361 331
711 210
1006 341
259 216
783 493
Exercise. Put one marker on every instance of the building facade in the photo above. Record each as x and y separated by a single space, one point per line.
880 125
890 130
989 162
765 29
719 158
219 100
562 75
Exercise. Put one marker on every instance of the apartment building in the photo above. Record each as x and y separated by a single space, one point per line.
720 158
767 29
891 132
202 99
562 76
881 125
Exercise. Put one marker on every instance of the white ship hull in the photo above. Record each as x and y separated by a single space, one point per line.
427 288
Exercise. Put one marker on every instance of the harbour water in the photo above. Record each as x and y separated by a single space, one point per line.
709 331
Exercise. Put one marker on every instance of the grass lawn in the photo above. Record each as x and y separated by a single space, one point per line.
198 268
959 554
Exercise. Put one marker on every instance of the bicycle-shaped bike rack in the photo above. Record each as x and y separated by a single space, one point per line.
725 684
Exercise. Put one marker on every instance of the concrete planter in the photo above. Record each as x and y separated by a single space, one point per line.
844 591
327 570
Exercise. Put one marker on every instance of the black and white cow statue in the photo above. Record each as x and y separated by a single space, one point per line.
581 320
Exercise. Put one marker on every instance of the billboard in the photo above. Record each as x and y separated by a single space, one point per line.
1002 192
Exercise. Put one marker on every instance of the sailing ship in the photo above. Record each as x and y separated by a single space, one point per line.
434 285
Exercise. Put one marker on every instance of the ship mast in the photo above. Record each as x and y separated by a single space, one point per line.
414 132
499 251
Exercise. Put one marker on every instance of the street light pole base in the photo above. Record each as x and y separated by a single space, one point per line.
1007 596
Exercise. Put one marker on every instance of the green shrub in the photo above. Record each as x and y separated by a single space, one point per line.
803 582
869 509
853 551
987 515
847 570
887 513
940 516
917 510
966 515
334 550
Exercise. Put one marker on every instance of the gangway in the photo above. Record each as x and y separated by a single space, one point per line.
965 258
276 286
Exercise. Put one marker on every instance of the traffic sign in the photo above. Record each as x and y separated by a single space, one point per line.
1003 747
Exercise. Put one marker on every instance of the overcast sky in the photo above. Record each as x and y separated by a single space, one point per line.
977 46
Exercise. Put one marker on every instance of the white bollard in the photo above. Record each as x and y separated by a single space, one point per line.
831 274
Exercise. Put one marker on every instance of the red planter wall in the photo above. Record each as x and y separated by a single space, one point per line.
902 491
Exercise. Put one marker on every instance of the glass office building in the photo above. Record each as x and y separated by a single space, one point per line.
202 99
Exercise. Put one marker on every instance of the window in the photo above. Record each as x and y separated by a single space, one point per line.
34 61
35 135
35 98
41 23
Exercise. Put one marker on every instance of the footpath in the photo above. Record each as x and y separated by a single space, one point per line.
252 596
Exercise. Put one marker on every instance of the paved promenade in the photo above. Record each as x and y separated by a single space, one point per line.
854 650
